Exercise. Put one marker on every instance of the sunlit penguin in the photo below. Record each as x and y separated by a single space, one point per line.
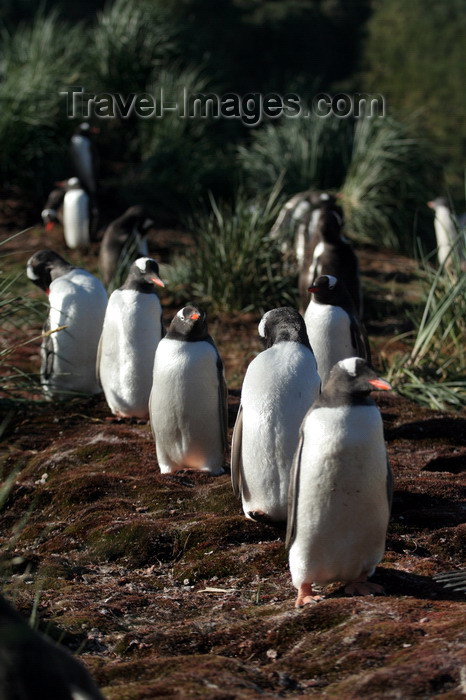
280 385
124 240
333 327
82 156
187 405
340 486
132 330
77 303
446 232
330 253
35 668
76 215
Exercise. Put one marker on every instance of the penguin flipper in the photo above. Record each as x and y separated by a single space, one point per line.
293 492
222 402
236 449
97 360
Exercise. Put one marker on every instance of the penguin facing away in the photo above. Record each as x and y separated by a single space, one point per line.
330 253
124 238
341 486
76 215
188 411
279 387
34 668
333 326
77 302
131 332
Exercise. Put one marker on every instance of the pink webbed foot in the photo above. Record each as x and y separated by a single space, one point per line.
363 587
306 596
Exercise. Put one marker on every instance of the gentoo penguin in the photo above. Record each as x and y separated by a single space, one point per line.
297 222
188 399
330 253
132 330
124 238
33 667
333 327
340 486
446 233
82 156
52 212
76 215
280 385
77 303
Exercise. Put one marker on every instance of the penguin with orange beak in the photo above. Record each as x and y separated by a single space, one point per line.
340 487
188 409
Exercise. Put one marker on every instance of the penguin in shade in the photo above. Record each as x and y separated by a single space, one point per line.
132 330
446 233
77 306
35 668
333 326
280 385
52 212
330 253
188 409
340 486
124 239
82 155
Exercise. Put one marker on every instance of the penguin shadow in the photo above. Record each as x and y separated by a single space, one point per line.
423 511
403 583
452 429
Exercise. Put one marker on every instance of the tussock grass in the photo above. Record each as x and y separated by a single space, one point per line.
432 373
235 265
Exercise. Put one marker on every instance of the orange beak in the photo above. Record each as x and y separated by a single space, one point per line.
157 281
195 316
313 289
49 225
430 204
380 384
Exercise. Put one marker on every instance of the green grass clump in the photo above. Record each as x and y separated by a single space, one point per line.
235 265
432 373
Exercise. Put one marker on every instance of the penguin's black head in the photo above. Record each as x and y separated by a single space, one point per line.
283 324
353 379
143 275
190 323
45 266
330 223
49 218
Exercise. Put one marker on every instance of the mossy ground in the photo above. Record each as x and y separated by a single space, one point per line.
167 591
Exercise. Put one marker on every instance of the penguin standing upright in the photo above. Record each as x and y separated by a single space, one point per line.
124 238
35 668
76 215
52 213
330 253
77 305
333 326
82 156
187 405
279 387
340 486
446 233
131 332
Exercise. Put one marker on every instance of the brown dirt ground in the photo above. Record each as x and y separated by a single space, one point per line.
167 591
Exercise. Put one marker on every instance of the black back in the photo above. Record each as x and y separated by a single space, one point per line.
45 266
283 324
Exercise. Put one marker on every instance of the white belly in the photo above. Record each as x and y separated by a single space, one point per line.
77 300
184 407
76 218
328 328
279 387
342 506
131 333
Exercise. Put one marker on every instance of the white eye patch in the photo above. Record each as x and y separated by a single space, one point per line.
350 365
147 223
331 281
142 263
31 274
261 326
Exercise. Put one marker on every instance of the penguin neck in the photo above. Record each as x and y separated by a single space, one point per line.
59 269
332 299
139 285
332 397
288 335
195 334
